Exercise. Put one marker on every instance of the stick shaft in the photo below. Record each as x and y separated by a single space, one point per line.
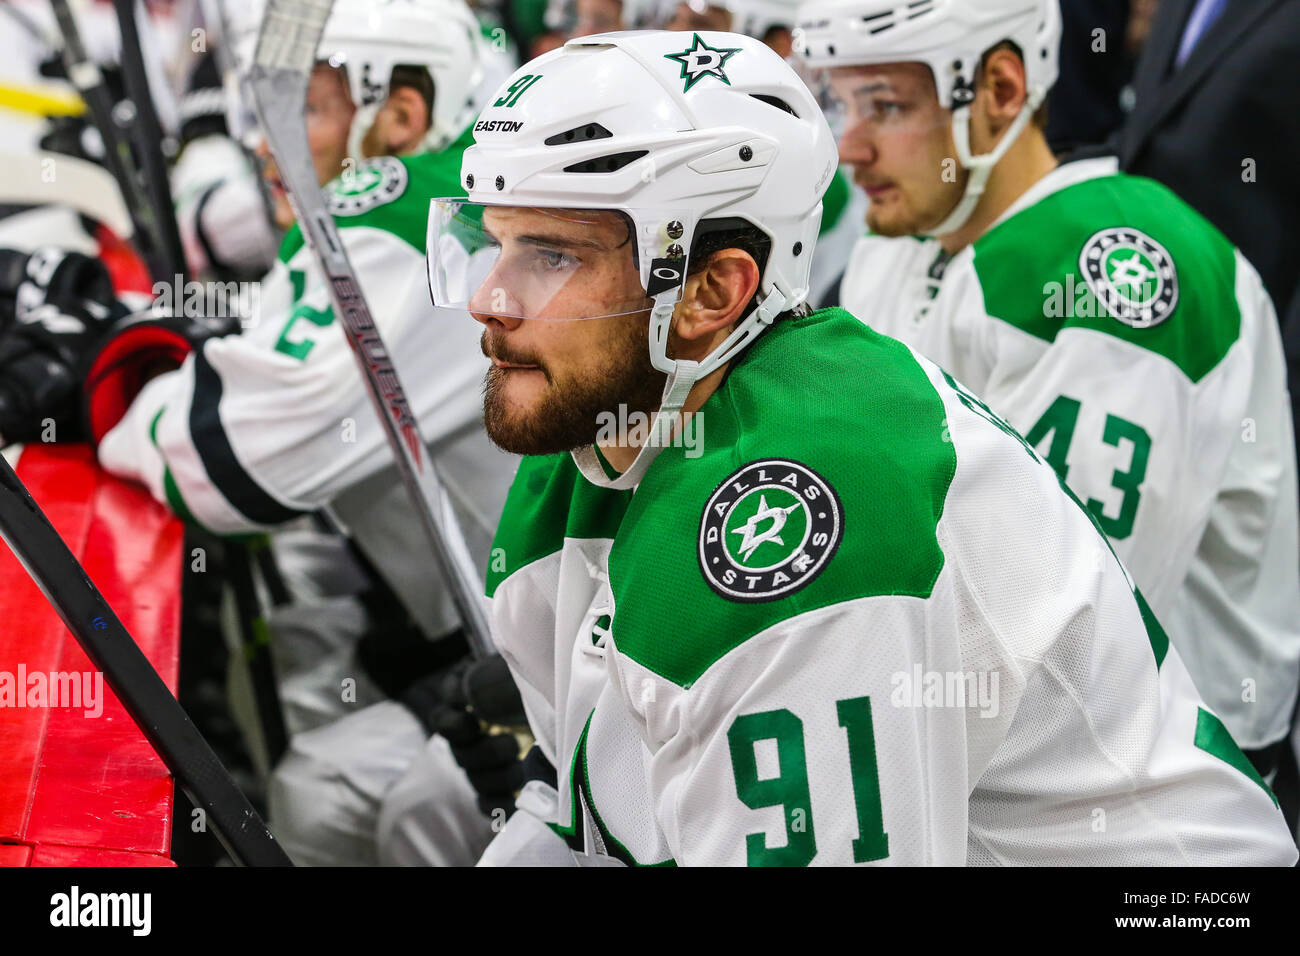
286 53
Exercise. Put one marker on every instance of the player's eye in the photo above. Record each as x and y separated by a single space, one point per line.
555 260
884 109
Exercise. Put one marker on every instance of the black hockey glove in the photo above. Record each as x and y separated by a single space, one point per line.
457 702
29 281
54 305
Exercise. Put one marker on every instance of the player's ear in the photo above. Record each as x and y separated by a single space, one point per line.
408 119
715 297
1002 89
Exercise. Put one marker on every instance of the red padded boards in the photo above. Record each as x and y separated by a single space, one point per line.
78 788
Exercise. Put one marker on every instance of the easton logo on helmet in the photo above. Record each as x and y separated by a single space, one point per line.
498 126
768 530
700 60
1132 276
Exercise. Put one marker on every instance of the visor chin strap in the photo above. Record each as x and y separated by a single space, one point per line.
980 167
682 376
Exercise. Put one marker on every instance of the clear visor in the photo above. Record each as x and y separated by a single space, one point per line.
525 262
898 98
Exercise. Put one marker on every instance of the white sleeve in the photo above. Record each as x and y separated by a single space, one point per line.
1244 581
259 427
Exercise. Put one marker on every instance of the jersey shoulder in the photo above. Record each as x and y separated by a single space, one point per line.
816 474
1119 255
548 502
389 193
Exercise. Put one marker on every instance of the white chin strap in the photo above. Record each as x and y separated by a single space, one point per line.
979 167
682 376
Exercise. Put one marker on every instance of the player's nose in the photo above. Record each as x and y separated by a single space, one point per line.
856 145
493 303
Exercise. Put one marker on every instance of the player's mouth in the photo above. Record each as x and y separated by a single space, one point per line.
501 359
877 191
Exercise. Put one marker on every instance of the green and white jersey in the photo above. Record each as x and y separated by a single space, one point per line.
859 622
261 427
1138 352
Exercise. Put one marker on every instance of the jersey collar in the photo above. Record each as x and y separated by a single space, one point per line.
1062 177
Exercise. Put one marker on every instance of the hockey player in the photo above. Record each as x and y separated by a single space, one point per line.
777 590
254 430
1104 319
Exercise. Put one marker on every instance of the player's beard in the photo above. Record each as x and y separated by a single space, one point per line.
568 413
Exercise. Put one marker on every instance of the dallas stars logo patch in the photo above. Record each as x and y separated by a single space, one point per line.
372 183
768 530
1132 276
700 60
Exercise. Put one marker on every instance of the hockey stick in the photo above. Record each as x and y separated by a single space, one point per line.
89 81
255 643
151 705
282 66
145 133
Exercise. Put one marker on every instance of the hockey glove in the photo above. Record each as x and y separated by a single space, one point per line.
40 358
29 281
456 703
135 349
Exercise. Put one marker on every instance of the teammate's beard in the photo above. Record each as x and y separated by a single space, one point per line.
567 416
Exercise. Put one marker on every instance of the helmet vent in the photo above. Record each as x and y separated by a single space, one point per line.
880 22
775 101
607 164
579 134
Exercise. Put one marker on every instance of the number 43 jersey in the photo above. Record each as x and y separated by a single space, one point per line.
1138 352
851 617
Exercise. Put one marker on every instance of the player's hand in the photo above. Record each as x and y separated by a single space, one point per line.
457 703
29 281
54 305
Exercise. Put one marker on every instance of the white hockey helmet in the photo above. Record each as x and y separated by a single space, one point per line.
951 38
370 37
680 133
756 17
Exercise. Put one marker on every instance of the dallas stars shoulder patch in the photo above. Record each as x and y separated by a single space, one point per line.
374 182
768 530
1132 276
700 60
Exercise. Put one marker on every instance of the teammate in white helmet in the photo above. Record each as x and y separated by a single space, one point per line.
772 21
1110 324
254 430
774 588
